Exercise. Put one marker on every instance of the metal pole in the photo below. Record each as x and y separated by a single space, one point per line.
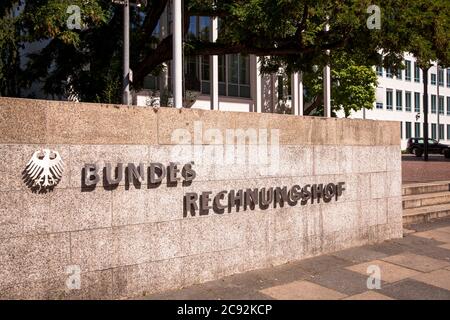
437 101
425 111
214 68
126 53
177 55
327 84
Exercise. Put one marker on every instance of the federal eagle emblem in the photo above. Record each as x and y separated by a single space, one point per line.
45 169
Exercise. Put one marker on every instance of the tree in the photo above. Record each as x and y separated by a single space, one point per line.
353 86
283 33
9 50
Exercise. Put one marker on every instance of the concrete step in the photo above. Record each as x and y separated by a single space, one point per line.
428 187
426 199
426 213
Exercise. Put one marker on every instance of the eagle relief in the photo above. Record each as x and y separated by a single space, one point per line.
44 170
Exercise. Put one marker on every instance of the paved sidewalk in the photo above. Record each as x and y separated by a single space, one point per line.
416 170
415 267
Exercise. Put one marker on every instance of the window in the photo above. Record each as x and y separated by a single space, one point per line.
379 105
399 74
433 131
401 130
416 101
433 103
408 130
408 101
448 106
233 73
448 132
441 105
389 99
238 76
433 79
441 132
416 72
389 73
417 129
399 100
448 78
196 68
441 77
408 70
379 71
151 82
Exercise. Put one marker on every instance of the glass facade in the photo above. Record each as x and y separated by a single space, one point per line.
433 103
417 101
389 73
399 100
433 79
441 105
233 73
408 100
389 99
448 78
441 132
408 130
416 72
417 130
379 71
448 106
441 77
408 70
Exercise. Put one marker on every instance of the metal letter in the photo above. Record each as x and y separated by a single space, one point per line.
91 171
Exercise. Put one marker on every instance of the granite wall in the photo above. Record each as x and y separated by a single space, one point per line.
134 239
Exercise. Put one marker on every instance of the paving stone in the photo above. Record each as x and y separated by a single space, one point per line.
414 290
369 295
389 248
445 246
342 280
444 229
413 240
437 278
360 254
417 262
322 263
281 275
389 272
302 290
440 236
435 252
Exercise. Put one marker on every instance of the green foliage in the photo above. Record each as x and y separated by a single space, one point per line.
353 86
284 33
9 49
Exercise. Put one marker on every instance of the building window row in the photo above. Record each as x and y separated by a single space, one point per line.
436 79
435 103
437 131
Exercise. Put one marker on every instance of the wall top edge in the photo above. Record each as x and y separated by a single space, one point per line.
60 122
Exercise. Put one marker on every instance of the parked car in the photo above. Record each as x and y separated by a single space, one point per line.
416 145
